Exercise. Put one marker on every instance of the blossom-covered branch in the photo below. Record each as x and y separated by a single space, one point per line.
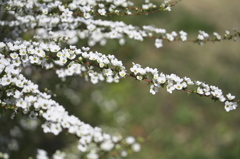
52 28
68 26
22 95
173 82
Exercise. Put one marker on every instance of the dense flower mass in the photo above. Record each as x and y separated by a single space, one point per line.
52 28
27 98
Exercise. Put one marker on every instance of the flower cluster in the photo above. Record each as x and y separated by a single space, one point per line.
42 154
4 155
75 61
70 26
173 82
50 26
111 68
202 35
27 98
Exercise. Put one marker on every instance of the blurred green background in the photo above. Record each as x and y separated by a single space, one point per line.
177 125
174 126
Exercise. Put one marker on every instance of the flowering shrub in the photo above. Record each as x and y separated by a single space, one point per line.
45 34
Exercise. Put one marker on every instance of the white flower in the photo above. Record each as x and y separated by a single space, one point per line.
130 140
174 77
59 155
14 55
41 154
228 106
202 35
54 48
116 138
183 35
107 145
101 5
135 69
199 90
170 87
17 94
102 11
86 15
19 83
217 35
31 51
153 89
85 139
108 72
217 93
34 59
139 78
2 45
22 104
124 153
82 147
198 83
178 86
189 81
158 43
168 8
92 155
174 33
170 37
55 128
23 52
39 52
221 98
122 73
162 79
161 31
6 80
136 147
155 76
145 6
91 27
230 97
45 10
